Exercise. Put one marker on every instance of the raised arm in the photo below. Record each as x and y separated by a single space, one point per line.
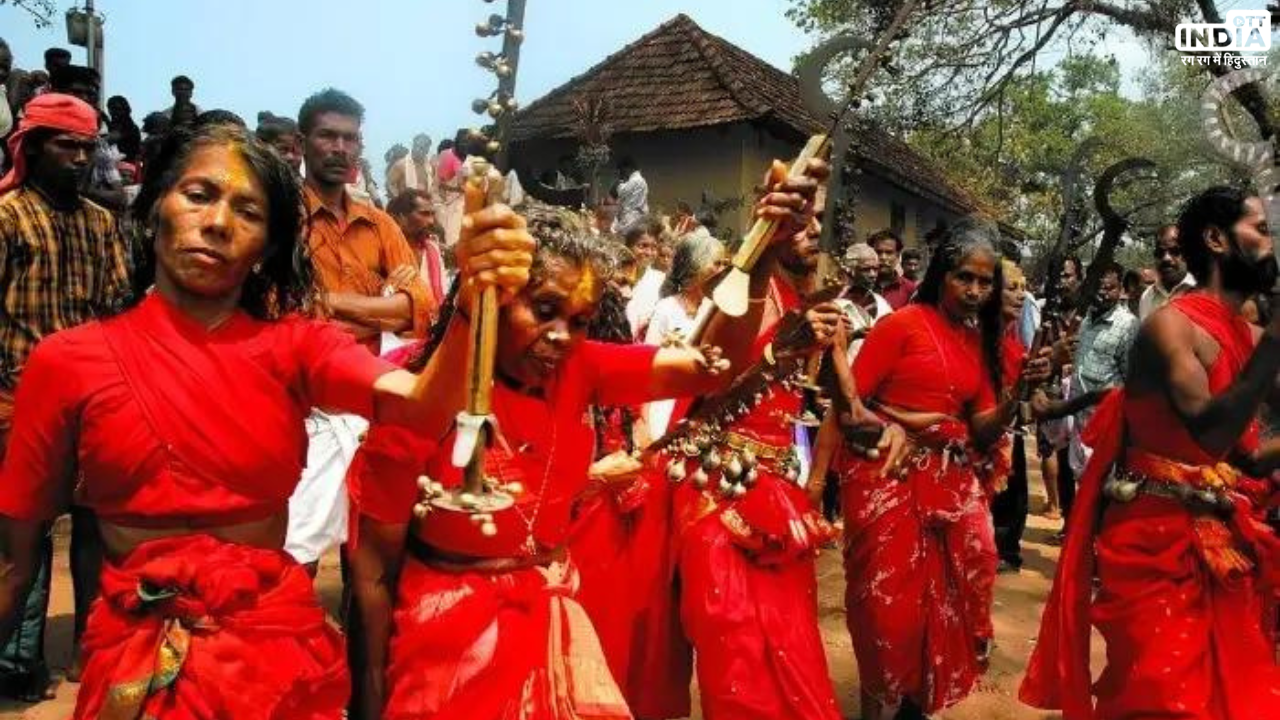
790 202
495 249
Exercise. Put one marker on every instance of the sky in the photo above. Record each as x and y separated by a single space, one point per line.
410 62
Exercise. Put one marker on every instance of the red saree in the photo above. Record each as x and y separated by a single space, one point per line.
620 541
748 590
1181 599
513 642
919 551
168 424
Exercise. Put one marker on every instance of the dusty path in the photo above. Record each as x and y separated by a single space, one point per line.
1019 600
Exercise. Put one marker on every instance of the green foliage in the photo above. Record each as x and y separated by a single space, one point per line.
41 11
1001 93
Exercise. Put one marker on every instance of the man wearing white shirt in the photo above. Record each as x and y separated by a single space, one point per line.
633 197
1173 278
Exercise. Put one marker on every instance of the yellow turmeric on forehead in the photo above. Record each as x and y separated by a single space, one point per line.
585 291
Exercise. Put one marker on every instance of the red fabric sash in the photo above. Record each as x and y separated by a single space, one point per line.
225 417
183 626
1058 673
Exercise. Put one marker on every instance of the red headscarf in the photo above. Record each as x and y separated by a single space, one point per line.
54 111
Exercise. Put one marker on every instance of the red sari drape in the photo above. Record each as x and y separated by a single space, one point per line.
748 589
919 550
185 626
498 645
1184 639
158 421
620 542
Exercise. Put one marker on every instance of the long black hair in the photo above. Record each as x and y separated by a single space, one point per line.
970 234
284 282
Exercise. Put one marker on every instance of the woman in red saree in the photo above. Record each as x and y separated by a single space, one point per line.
179 421
1166 521
457 623
919 553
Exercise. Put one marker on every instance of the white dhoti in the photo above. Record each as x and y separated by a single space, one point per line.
319 506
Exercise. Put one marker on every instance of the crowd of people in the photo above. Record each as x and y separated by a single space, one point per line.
225 359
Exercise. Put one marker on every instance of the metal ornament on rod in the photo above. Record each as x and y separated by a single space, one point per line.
480 499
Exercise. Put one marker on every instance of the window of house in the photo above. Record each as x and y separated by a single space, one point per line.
898 218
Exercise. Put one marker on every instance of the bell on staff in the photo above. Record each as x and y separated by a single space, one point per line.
494 109
479 106
475 135
487 60
515 33
493 146
502 69
491 27
511 104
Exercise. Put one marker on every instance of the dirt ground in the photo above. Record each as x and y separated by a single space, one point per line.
1019 601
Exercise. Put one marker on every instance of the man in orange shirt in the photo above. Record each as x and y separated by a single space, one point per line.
364 264
367 273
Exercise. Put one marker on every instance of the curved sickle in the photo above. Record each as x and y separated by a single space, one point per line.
810 71
812 66
1106 184
1114 224
1249 154
1260 156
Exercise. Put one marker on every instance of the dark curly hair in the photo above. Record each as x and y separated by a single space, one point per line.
968 235
285 284
1219 206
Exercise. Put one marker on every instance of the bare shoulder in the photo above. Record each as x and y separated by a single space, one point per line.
1167 328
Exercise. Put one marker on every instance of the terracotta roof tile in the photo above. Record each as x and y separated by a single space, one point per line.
680 76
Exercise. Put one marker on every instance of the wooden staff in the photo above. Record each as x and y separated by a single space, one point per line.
474 423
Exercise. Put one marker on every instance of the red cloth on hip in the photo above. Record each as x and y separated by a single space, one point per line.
195 628
501 646
1181 642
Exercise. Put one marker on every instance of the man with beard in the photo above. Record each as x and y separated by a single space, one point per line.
1172 278
861 304
367 273
1100 363
63 261
1179 551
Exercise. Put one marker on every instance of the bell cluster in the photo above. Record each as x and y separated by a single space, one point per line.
698 449
432 494
500 102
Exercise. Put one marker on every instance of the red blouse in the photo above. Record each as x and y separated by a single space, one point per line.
549 444
154 419
916 359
